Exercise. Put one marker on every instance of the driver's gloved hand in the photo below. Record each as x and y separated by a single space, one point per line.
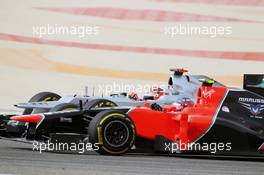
156 107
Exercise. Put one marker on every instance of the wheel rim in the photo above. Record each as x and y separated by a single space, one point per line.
116 133
51 98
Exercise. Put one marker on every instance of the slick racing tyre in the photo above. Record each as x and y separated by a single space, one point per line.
99 103
112 131
42 97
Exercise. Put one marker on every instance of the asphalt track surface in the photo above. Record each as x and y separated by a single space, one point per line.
18 158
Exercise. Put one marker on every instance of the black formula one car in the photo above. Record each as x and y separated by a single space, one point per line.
224 121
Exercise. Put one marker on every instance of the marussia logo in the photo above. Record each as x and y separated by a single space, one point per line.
255 109
255 106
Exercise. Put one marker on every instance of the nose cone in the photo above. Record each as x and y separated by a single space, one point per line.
34 118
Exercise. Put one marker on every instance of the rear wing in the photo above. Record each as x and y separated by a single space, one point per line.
254 83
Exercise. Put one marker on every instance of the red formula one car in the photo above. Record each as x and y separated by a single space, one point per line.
223 121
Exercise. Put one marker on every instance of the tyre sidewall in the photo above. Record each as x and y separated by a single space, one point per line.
97 127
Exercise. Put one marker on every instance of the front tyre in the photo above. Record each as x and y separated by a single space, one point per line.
112 131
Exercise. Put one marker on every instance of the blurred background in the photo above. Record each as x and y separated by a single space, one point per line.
126 42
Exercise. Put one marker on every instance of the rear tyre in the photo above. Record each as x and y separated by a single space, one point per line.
99 103
112 131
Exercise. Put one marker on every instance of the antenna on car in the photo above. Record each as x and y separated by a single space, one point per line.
93 90
86 91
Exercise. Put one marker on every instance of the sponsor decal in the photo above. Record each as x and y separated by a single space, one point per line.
251 100
207 94
65 120
255 106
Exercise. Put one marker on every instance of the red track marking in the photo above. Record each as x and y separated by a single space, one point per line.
221 2
253 56
143 15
